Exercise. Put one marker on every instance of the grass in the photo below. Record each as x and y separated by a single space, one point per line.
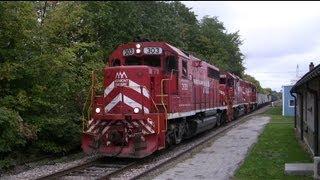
276 146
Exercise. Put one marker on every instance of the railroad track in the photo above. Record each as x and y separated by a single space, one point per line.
162 161
101 168
109 168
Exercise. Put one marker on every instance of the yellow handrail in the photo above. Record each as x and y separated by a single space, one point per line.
162 95
92 92
155 107
161 90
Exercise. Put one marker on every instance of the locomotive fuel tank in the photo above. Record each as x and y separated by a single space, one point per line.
202 124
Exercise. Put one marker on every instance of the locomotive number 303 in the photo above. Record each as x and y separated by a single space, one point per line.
152 50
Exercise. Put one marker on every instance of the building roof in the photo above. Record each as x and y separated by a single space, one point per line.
315 72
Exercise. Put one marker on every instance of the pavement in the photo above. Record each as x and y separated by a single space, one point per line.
220 159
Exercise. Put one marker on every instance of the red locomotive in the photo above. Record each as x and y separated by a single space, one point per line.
156 95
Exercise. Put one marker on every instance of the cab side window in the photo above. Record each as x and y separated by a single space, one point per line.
184 68
230 82
116 62
212 73
170 64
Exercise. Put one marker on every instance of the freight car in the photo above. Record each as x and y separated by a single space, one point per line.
263 99
156 95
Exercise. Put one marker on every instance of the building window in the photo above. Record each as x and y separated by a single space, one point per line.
291 103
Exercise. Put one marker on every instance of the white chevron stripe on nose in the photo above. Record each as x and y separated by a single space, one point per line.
108 89
132 103
136 87
133 85
128 101
114 101
146 110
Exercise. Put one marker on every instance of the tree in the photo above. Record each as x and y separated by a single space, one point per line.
48 50
219 47
251 79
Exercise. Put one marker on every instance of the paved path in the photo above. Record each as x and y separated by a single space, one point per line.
220 159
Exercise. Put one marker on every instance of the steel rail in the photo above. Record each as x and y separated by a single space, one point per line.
215 133
121 168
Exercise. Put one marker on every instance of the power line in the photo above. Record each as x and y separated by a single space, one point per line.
277 72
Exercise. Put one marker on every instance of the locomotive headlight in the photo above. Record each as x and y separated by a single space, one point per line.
136 110
98 110
138 51
138 46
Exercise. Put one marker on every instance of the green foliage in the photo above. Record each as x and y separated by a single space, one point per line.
49 49
219 47
10 136
14 136
251 79
58 135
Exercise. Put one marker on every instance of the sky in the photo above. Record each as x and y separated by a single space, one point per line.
277 36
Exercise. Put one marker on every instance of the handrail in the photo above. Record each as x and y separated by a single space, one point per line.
154 106
162 94
92 92
161 90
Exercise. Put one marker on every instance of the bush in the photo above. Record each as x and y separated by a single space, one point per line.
58 135
11 136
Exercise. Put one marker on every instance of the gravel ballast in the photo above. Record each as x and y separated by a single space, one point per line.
44 170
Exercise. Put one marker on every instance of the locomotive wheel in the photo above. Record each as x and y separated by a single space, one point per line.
170 135
174 134
177 135
219 120
169 139
235 114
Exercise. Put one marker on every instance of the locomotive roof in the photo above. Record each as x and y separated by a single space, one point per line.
169 46
178 51
189 56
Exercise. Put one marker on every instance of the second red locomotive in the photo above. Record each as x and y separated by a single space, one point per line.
156 95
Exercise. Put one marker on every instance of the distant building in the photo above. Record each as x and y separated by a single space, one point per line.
306 121
287 101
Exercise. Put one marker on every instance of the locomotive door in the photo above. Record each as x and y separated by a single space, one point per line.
185 92
197 90
170 84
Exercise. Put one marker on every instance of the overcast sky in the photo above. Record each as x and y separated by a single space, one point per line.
277 36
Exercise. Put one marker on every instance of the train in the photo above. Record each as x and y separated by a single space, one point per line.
156 95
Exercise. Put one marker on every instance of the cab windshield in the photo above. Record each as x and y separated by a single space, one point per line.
153 61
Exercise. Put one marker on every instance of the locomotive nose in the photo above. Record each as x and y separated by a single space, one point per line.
127 90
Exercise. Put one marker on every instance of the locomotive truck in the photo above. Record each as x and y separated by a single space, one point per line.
156 95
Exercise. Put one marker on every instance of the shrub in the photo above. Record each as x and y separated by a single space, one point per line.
11 136
58 135
14 135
